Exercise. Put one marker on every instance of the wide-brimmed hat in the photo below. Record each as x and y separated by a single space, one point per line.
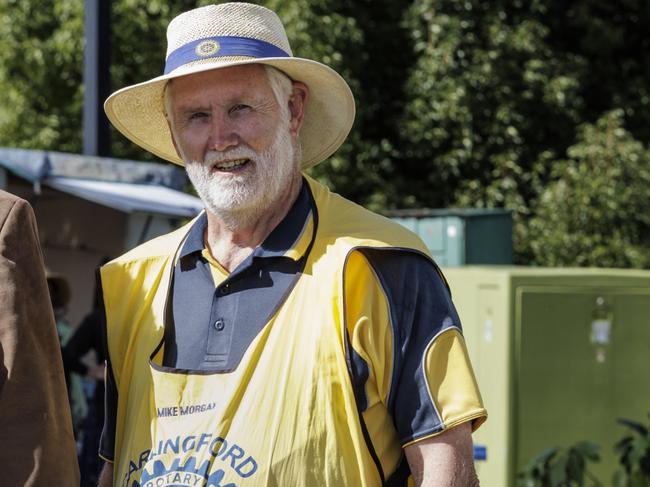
232 34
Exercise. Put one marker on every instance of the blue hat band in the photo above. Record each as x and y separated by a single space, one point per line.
212 47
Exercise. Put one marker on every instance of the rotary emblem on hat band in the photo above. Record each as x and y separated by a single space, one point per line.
207 48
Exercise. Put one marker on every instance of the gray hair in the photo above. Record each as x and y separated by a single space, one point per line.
281 85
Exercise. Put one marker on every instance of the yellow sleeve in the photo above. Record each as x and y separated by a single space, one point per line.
411 369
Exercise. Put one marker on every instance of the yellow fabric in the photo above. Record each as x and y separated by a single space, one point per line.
299 248
452 386
368 322
219 273
286 416
449 373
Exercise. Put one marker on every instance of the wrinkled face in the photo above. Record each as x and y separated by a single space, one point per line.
236 139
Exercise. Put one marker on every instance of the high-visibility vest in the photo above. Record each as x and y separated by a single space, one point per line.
287 415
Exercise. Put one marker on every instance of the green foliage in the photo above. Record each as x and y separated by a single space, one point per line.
325 30
366 43
488 96
40 74
594 213
138 51
634 456
567 467
557 467
484 85
531 106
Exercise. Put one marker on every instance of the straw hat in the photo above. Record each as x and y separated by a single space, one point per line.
232 34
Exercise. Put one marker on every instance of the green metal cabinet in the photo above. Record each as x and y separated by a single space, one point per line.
464 236
559 354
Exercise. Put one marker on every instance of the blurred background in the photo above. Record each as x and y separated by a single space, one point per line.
503 132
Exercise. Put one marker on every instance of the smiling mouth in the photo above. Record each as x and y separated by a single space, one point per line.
227 166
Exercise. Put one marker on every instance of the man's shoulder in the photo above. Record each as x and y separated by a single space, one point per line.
8 201
16 214
344 221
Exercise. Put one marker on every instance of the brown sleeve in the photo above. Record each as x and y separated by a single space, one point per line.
38 446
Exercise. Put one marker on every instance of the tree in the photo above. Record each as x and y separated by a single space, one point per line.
490 102
471 103
138 52
595 212
40 74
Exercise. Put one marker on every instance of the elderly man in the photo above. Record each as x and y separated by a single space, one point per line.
286 336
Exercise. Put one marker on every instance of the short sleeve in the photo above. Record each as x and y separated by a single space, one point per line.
408 351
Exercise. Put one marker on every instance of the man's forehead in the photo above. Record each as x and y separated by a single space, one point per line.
247 75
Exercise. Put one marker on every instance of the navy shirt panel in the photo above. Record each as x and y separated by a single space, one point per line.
212 327
420 308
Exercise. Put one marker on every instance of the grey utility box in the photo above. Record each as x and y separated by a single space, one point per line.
462 237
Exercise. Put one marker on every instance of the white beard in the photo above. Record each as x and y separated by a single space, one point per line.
242 199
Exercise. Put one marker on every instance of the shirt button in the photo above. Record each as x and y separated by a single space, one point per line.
219 325
224 289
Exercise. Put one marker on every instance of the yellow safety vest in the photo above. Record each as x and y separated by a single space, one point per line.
286 416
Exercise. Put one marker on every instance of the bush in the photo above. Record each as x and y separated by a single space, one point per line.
634 456
557 467
567 467
595 211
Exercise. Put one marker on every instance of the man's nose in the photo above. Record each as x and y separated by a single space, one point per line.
222 135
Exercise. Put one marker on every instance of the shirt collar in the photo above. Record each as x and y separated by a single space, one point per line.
194 241
290 238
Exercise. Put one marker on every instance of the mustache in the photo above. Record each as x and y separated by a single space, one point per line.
239 152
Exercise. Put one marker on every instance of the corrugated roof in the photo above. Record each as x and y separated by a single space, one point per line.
130 197
128 186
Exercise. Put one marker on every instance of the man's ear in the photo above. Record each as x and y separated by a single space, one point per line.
297 104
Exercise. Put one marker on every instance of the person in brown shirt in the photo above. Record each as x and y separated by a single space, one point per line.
38 447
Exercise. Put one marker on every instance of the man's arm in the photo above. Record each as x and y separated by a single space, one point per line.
432 386
38 445
446 460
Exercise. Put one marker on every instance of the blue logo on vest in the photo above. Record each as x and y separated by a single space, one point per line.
178 475
215 454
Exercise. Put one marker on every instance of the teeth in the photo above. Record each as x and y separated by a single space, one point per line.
231 164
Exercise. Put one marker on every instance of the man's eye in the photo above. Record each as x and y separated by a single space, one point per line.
237 108
197 115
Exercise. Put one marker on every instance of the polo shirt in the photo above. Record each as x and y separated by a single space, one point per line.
409 366
213 325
